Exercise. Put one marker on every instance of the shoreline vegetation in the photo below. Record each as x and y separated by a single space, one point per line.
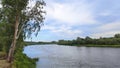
21 60
87 41
79 45
91 45
91 42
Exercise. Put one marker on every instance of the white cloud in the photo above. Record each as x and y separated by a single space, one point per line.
110 26
70 13
105 34
104 13
68 19
63 31
107 30
0 4
67 32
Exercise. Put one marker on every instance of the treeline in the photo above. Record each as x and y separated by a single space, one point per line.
38 43
90 41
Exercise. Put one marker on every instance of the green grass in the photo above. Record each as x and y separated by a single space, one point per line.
22 61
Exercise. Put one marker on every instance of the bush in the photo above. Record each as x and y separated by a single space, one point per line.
2 55
22 61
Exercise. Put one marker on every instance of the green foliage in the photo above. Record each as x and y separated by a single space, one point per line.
40 43
11 9
29 20
2 55
64 42
117 36
5 38
93 42
22 61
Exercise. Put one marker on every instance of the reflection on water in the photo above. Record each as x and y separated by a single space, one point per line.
54 56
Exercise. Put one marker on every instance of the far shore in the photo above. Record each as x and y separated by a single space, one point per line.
92 45
79 45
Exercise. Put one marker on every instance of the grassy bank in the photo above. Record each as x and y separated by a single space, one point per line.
22 61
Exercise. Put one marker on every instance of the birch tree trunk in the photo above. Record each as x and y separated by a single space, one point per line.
13 45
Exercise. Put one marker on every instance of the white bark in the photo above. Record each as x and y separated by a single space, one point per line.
13 45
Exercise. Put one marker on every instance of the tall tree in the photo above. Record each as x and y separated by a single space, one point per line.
117 35
24 19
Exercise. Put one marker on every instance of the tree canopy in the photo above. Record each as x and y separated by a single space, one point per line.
91 41
21 20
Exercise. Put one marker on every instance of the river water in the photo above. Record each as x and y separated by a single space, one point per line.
55 56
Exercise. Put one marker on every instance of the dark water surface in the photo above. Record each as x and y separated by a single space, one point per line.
54 56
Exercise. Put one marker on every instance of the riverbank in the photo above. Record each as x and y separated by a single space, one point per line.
86 45
92 45
113 46
23 61
20 61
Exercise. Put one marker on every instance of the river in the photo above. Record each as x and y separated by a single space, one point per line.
56 56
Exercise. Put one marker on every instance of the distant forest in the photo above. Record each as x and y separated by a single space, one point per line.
87 41
90 41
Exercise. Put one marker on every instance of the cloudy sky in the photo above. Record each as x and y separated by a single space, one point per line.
68 19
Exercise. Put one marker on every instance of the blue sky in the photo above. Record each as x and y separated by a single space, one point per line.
68 19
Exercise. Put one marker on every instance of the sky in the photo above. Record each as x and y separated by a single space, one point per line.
68 19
